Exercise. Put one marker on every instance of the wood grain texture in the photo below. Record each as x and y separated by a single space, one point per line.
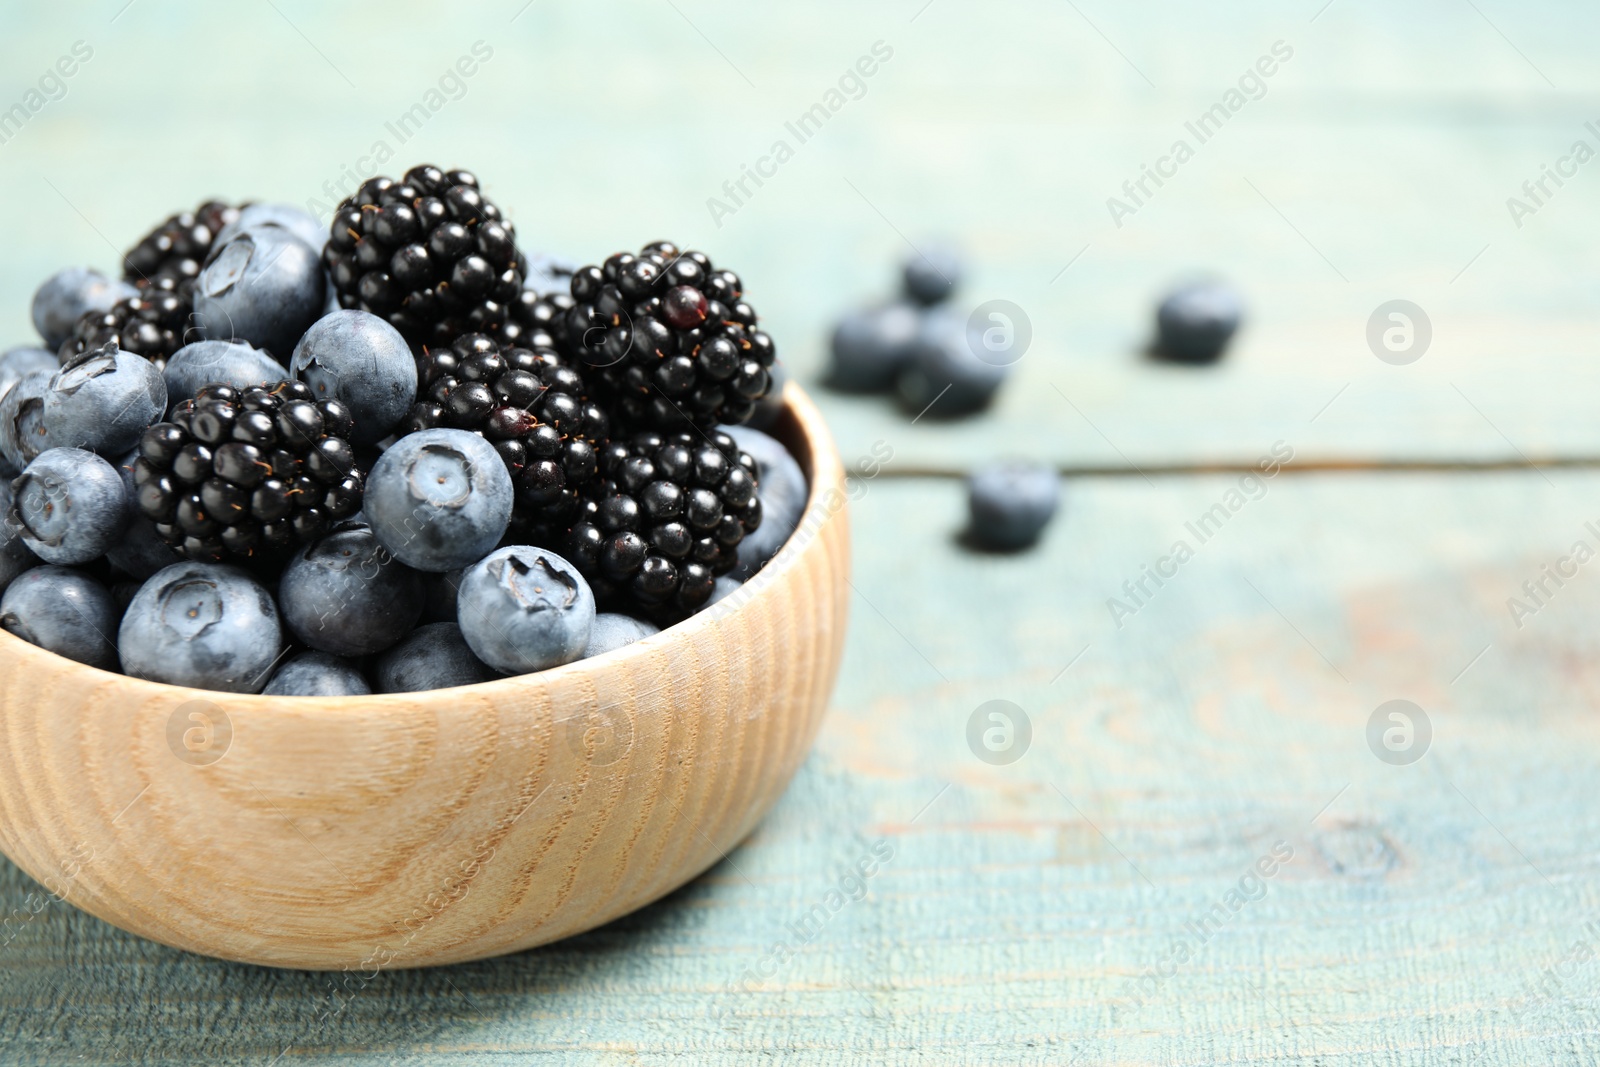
403 830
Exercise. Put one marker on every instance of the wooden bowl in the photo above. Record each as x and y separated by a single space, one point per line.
427 828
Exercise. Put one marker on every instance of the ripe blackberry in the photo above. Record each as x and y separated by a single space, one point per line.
531 404
671 338
177 249
429 253
663 521
243 472
154 324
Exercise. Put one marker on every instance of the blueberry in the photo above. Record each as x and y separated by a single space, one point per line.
770 407
205 625
524 609
435 656
141 551
71 504
1195 322
18 363
65 611
871 346
363 361
782 488
22 432
347 595
724 587
317 674
611 631
439 499
932 274
295 220
1011 503
945 377
266 286
68 294
14 555
233 363
103 400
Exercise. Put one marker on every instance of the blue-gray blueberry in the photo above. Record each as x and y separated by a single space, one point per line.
14 555
346 593
1011 502
72 505
871 346
103 399
612 631
945 377
22 432
363 361
933 273
781 485
525 609
296 220
317 674
206 625
439 499
234 363
1195 322
65 611
434 656
67 295
18 363
266 286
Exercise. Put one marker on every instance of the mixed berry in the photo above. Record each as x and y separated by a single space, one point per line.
387 454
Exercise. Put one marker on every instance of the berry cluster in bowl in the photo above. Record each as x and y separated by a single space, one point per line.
391 455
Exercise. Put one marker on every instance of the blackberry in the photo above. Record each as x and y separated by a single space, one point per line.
177 249
154 323
532 405
671 338
663 521
245 472
429 253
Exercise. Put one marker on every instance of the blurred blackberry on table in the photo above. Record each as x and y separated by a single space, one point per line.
244 472
663 521
176 250
670 338
429 253
533 405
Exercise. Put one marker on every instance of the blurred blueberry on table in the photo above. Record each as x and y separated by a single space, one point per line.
439 499
782 488
22 431
65 611
70 294
1010 503
140 551
18 363
363 361
946 378
871 346
932 273
525 609
103 399
296 220
434 656
266 286
206 625
317 674
72 506
234 363
612 631
1195 322
347 595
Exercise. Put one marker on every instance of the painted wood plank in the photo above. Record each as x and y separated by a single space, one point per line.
1023 905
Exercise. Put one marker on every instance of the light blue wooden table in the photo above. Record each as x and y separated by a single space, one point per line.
1199 859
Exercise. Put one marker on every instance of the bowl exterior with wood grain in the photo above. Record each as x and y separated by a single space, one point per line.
365 833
